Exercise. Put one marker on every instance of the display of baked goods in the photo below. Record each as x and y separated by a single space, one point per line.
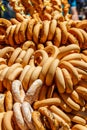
43 68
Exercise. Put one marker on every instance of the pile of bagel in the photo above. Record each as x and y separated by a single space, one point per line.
40 32
43 68
43 9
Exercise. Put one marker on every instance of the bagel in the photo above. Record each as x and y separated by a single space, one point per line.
51 72
19 117
20 56
35 74
83 57
28 44
77 119
6 23
14 55
59 79
52 29
63 51
7 121
82 91
27 77
36 32
64 33
76 32
59 112
2 76
72 39
72 56
82 73
82 24
62 105
27 56
8 73
77 98
36 116
57 37
24 72
45 68
19 17
17 91
68 80
1 118
27 114
43 92
50 117
11 34
22 30
50 91
40 57
2 98
16 36
14 21
32 93
5 51
71 69
44 31
7 34
80 64
30 27
8 101
84 33
79 127
47 102
67 99
51 50
16 72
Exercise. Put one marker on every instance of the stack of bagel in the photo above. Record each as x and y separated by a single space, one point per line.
43 68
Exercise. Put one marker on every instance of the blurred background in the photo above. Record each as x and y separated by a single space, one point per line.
82 9
6 10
